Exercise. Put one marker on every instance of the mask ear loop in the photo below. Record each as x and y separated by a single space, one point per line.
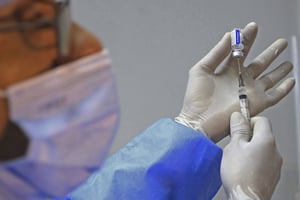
63 29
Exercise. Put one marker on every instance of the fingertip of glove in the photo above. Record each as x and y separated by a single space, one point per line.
291 82
236 117
282 42
253 24
250 31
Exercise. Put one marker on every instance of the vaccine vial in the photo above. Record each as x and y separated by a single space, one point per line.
237 43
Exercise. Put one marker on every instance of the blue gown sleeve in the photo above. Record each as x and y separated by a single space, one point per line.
166 161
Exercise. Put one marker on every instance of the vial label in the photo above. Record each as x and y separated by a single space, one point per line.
237 36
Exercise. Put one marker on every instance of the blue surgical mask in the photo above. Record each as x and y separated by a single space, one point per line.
70 116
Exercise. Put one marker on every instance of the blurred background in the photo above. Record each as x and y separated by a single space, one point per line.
154 43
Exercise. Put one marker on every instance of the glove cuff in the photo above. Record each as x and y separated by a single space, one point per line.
185 120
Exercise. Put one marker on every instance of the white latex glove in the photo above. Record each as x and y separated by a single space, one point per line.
250 170
212 96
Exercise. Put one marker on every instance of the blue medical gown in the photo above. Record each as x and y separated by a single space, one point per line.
167 161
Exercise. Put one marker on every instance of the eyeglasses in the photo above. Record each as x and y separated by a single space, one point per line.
30 22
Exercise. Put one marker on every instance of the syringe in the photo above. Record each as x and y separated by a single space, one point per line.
237 52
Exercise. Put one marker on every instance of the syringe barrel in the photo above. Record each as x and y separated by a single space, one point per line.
237 42
245 108
244 102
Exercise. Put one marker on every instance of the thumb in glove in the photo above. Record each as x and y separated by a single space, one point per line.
250 167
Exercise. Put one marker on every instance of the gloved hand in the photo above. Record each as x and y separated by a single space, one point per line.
250 169
212 95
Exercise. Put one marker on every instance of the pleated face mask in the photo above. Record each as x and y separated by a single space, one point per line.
70 116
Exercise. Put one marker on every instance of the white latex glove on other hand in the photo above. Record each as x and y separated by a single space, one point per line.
251 169
212 95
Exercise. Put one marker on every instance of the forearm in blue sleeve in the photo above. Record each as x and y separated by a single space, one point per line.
166 161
